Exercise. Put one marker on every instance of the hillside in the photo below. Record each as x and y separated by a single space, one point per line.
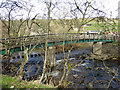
39 26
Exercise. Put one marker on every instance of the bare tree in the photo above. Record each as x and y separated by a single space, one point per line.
10 7
46 43
15 25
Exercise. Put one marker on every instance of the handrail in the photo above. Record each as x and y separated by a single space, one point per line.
49 35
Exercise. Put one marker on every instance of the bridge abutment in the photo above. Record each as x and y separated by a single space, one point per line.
51 55
97 48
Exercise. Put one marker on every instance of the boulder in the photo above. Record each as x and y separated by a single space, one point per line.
75 76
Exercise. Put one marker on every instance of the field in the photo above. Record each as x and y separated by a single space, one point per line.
40 26
102 26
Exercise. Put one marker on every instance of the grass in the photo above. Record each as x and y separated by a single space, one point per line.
101 26
8 81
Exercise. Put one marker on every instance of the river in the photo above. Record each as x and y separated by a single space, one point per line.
91 73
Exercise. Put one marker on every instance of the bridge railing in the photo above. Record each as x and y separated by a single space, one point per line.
53 38
60 35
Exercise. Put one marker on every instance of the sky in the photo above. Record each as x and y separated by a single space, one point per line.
113 6
110 8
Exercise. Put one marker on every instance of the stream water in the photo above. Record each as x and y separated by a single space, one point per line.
91 73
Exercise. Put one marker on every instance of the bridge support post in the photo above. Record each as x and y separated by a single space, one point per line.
97 48
51 55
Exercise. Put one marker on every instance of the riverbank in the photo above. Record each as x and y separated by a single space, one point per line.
14 82
109 51
112 49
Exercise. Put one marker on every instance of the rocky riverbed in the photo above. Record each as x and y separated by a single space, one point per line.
92 73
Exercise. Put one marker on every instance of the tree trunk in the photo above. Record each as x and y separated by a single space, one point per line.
23 63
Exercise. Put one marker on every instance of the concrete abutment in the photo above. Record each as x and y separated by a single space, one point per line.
97 48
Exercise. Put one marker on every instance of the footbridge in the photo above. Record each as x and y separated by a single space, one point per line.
16 44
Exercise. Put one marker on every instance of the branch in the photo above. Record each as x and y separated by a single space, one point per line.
85 10
78 7
96 9
21 25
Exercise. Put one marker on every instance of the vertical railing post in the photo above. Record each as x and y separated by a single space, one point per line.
64 37
8 48
84 37
21 47
5 43
109 38
105 38
89 37
93 37
64 48
78 37
115 38
71 38
67 35
98 37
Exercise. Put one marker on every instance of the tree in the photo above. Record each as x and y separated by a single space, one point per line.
8 19
85 10
74 14
15 25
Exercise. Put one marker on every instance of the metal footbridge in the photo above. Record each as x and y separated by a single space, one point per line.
16 44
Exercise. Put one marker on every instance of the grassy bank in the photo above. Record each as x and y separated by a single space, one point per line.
14 82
